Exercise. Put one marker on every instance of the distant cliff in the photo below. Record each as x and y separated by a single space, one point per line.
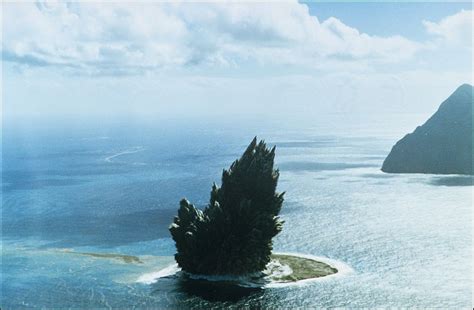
442 145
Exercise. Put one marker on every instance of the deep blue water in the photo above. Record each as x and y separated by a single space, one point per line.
115 189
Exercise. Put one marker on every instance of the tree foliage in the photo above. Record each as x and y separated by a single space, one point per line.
233 235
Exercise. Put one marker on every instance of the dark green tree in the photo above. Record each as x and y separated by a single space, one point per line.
233 235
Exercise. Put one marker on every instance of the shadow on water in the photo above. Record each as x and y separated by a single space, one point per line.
40 184
210 291
452 181
380 175
304 144
92 230
317 166
32 179
218 291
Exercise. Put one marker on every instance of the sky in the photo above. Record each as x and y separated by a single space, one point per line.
289 59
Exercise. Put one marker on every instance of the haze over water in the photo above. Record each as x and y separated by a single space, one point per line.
115 189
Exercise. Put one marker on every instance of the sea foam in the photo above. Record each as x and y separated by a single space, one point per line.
132 150
152 277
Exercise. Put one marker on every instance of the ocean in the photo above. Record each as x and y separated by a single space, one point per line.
74 197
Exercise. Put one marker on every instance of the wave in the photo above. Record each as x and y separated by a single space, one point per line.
132 150
152 277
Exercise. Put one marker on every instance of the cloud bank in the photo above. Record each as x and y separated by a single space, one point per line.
455 29
134 38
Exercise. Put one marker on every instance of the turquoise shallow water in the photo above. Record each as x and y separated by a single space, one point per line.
109 190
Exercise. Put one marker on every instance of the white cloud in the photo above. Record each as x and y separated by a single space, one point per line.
349 41
454 29
114 38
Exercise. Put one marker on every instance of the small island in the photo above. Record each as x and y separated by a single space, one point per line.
298 268
231 239
443 145
283 269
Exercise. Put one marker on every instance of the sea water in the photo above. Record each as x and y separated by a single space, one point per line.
72 194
